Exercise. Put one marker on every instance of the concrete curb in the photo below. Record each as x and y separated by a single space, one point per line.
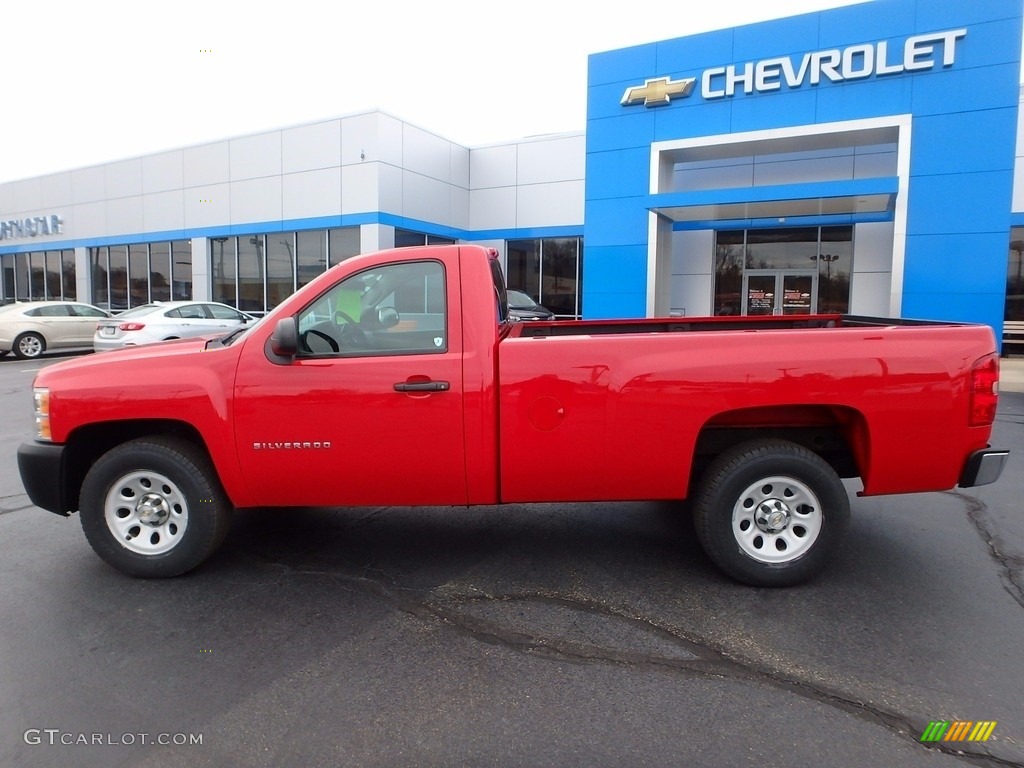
1011 374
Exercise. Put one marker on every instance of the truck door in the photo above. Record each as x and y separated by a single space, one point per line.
370 410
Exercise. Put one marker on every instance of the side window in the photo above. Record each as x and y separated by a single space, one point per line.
54 310
395 309
192 312
223 313
83 310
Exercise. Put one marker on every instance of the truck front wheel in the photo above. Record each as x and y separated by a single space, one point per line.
153 507
770 513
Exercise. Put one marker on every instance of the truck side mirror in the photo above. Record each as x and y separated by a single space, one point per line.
284 342
387 317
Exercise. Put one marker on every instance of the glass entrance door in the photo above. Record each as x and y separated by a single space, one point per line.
779 292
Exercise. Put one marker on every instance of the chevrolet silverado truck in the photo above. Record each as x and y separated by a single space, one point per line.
396 378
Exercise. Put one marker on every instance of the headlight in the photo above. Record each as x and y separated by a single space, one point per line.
41 396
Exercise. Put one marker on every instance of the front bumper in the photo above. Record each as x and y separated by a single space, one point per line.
983 467
42 473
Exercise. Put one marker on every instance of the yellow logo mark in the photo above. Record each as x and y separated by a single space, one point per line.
657 91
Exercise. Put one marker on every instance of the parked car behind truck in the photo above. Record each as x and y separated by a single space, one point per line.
396 378
30 328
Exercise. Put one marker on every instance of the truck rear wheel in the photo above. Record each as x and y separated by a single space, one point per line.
770 513
154 508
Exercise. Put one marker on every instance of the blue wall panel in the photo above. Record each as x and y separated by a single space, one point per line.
608 167
780 37
963 132
627 63
955 203
611 222
991 131
866 23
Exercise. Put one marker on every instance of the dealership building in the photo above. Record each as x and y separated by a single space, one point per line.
864 159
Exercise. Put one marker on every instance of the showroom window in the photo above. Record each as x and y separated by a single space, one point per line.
256 272
126 276
783 271
38 276
406 238
1015 276
550 271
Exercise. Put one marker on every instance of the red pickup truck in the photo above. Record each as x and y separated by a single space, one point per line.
396 378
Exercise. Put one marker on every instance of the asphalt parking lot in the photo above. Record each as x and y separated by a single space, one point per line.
532 635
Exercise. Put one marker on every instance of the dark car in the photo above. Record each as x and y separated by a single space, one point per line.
522 307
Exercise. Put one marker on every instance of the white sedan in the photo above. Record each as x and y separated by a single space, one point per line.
162 321
30 328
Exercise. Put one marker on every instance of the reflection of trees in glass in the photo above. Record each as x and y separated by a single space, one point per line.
729 259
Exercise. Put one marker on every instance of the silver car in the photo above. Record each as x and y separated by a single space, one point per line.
162 321
30 328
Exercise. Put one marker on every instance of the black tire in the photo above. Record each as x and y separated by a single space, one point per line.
153 507
29 346
770 513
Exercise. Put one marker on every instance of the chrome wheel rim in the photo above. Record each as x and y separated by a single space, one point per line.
777 519
30 346
146 512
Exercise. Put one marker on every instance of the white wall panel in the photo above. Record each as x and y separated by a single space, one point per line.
26 196
556 159
492 167
492 208
256 200
425 153
360 137
123 179
459 165
550 205
208 206
1018 185
459 207
87 185
162 211
425 198
389 188
206 164
55 191
360 187
254 157
693 252
389 139
6 200
312 193
163 172
691 294
86 220
311 147
124 216
869 293
872 247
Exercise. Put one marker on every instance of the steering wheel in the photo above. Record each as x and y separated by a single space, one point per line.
351 334
320 335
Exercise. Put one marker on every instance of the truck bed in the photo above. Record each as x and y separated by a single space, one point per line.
725 323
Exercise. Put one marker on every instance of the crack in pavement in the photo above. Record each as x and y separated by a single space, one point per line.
1011 567
709 660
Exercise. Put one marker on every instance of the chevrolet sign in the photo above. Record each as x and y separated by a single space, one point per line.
856 62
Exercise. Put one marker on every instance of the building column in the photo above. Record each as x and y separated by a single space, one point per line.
376 237
83 275
202 286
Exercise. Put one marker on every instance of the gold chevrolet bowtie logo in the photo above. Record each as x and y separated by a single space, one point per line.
657 92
